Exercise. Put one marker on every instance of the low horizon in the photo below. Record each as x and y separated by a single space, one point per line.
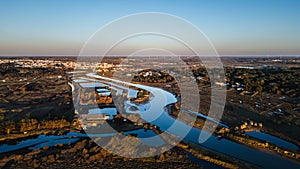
2 56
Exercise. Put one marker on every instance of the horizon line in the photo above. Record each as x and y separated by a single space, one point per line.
235 55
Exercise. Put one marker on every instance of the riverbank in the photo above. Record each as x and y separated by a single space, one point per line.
86 154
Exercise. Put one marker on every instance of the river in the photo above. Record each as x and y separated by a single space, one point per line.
161 118
154 112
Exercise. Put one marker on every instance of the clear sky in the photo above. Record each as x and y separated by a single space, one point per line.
61 27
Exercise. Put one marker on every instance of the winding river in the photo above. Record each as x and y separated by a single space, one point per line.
161 118
154 112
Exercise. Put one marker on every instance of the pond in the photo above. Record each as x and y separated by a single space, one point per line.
111 111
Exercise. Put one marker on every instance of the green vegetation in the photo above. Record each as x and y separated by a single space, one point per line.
152 76
272 80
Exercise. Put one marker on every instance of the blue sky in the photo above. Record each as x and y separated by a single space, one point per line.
56 27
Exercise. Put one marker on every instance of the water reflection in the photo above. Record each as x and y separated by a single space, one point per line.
272 139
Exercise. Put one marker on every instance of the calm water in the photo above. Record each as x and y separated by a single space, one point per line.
148 137
272 139
156 115
41 141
